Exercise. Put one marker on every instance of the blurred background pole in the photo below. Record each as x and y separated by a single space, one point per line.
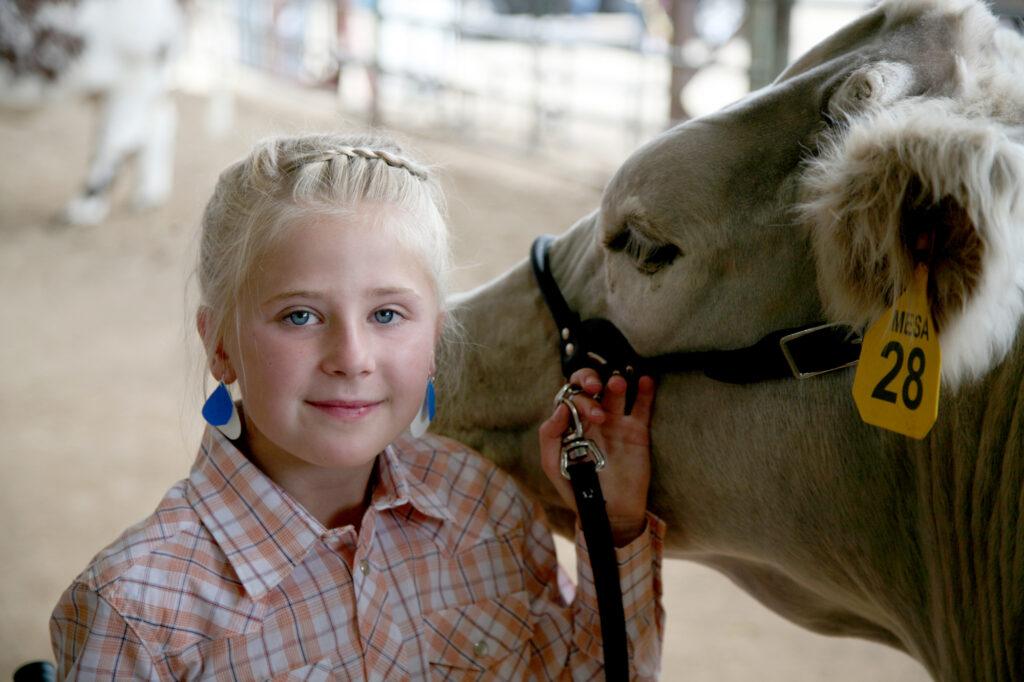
683 14
373 70
768 24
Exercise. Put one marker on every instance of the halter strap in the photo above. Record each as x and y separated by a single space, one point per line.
798 352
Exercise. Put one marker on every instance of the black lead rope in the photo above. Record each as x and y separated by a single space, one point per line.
597 532
586 489
581 459
801 352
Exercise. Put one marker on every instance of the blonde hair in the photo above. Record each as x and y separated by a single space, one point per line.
284 180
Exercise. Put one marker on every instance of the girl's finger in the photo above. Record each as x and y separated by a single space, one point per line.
588 379
555 425
550 452
644 399
615 396
589 409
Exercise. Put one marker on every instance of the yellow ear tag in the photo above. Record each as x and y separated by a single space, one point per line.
896 385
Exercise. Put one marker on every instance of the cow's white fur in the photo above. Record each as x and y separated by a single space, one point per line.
899 10
858 186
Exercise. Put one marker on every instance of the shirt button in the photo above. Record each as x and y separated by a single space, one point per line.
364 566
480 648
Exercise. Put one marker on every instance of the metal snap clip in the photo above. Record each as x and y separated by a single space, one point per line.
576 446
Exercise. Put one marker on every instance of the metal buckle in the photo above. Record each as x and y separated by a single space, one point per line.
575 446
788 338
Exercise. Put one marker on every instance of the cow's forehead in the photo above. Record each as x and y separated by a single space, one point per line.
916 31
742 159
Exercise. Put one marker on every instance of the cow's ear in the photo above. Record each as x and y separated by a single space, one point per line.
923 185
940 234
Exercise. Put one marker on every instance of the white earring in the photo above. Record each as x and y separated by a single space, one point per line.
422 420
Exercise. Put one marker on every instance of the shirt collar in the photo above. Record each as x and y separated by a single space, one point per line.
263 532
397 486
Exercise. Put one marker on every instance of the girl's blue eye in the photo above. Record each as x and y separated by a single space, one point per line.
299 318
384 316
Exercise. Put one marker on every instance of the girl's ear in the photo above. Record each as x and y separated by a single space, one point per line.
216 357
438 332
442 317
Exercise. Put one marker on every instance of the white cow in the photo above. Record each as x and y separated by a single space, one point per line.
807 201
120 51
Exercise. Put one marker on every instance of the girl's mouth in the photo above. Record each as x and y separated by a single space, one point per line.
347 410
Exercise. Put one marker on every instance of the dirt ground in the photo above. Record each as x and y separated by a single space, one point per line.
99 403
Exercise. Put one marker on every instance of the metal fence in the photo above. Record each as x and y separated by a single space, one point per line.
534 74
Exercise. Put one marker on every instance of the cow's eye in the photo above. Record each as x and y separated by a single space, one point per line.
648 254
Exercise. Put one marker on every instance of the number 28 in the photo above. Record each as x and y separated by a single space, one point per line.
913 389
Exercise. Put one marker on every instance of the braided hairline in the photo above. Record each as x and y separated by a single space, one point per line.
362 153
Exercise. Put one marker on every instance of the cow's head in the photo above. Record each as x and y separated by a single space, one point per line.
806 200
814 196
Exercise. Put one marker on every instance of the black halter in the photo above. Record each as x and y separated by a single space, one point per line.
799 352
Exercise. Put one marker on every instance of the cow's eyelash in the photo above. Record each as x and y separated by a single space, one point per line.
648 254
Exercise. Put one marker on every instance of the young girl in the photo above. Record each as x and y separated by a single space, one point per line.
314 538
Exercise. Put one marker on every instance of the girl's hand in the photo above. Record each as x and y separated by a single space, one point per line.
625 441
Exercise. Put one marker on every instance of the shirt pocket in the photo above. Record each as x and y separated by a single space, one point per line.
315 672
486 640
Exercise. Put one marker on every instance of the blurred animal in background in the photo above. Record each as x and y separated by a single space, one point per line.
118 52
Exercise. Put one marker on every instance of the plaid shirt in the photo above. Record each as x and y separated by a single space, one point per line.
452 574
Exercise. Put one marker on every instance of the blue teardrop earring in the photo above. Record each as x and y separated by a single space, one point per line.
428 409
219 412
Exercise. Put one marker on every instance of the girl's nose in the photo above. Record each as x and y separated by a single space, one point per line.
349 352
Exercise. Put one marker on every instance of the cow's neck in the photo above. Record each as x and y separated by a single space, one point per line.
970 484
495 388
